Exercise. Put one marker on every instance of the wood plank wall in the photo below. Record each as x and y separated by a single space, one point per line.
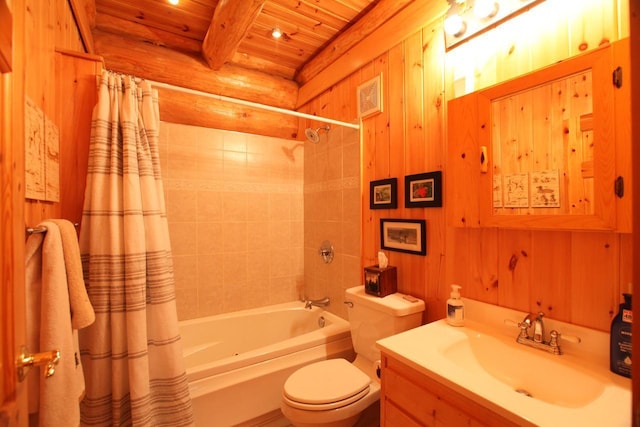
572 276
409 137
40 26
49 26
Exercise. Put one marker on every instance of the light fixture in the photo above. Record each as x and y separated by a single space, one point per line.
454 25
174 2
485 9
468 18
276 33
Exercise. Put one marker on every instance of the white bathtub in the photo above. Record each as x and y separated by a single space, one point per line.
237 363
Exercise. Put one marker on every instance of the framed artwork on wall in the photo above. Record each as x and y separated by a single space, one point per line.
423 190
370 97
383 194
404 235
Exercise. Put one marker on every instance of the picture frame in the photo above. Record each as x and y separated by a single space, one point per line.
383 194
423 190
369 97
404 235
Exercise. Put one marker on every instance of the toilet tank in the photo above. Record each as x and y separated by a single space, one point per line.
373 318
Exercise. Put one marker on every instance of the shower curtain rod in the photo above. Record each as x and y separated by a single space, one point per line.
253 104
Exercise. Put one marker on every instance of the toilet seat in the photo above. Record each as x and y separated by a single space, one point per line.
325 385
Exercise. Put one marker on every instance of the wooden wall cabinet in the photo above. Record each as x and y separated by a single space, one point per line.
411 399
545 150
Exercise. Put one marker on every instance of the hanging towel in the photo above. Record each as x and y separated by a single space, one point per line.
82 314
54 399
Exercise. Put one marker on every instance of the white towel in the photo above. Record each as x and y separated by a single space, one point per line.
82 314
55 399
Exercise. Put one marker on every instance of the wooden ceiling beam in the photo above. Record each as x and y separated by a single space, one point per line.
196 110
189 71
230 24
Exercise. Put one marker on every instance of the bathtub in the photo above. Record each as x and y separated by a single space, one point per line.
237 363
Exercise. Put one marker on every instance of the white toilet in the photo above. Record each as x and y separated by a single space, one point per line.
334 392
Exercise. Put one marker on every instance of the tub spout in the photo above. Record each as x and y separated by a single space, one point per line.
308 303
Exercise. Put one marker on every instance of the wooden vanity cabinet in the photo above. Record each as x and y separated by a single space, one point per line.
567 124
411 399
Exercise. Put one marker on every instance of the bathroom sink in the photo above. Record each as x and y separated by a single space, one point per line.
527 371
483 362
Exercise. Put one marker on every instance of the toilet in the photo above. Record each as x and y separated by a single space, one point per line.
335 392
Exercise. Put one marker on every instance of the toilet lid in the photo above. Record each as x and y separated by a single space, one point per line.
328 381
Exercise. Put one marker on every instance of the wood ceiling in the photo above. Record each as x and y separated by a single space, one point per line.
224 47
237 31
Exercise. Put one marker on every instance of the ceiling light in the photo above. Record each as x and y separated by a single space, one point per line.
276 33
174 2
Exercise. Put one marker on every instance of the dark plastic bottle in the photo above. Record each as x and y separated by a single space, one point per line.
621 339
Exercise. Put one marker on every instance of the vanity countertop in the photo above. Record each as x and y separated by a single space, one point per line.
482 361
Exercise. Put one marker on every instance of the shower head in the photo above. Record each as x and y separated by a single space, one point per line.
313 135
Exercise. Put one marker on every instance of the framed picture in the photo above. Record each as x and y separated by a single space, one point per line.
404 235
423 190
383 194
370 97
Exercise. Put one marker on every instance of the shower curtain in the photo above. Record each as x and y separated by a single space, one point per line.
132 354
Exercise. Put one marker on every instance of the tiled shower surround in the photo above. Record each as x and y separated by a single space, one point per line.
332 200
246 217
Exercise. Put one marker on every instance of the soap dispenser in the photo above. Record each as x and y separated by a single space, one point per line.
455 307
620 351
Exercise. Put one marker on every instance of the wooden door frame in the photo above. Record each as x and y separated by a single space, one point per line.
634 25
13 411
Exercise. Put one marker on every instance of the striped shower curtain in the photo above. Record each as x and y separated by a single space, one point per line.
132 354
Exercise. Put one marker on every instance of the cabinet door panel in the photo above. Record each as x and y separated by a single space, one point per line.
407 394
396 417
542 151
410 398
462 180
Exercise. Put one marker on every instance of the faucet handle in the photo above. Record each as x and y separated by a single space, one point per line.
524 327
571 338
526 322
513 323
553 342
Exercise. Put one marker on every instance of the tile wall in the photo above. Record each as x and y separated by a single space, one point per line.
235 213
332 200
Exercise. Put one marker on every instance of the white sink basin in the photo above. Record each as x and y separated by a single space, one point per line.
527 371
483 362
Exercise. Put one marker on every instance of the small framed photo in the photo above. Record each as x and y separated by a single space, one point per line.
383 194
423 190
404 235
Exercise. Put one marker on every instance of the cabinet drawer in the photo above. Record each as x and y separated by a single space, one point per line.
396 417
409 396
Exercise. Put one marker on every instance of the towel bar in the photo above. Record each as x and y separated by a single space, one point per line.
36 230
43 229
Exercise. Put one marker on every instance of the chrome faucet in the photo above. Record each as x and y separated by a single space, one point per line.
537 340
308 303
538 328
